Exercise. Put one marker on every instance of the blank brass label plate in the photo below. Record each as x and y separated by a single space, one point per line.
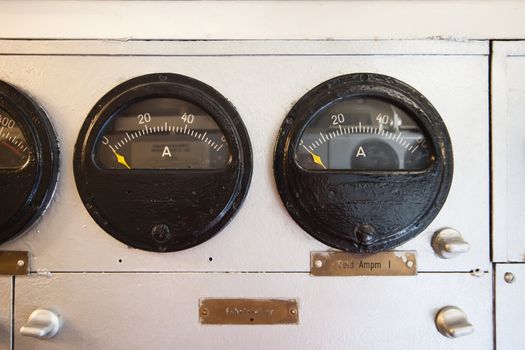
394 263
14 263
248 311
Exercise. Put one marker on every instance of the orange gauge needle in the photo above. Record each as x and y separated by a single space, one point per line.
317 159
121 159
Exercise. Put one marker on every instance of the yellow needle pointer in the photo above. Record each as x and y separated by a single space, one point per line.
121 159
317 159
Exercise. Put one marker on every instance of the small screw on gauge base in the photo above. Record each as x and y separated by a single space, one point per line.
365 234
161 233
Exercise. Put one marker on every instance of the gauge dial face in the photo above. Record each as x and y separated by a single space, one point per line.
363 162
163 133
363 133
163 162
14 151
28 161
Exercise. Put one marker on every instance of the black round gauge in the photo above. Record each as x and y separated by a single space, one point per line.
363 162
163 162
28 161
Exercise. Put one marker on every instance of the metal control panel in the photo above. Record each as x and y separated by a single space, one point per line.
507 148
269 175
262 236
333 312
167 119
508 106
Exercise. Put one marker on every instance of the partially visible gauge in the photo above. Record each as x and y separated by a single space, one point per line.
28 161
163 162
363 162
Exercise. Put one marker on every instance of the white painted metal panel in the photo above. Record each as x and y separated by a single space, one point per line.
508 149
263 87
160 311
383 19
510 307
5 312
242 47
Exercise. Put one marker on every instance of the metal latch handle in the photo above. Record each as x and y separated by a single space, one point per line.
42 324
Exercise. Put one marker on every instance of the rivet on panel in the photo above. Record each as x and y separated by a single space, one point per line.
509 277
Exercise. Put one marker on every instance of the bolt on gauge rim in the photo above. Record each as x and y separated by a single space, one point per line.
363 162
29 161
163 162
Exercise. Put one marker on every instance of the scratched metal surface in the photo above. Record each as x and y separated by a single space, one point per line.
161 311
5 312
262 79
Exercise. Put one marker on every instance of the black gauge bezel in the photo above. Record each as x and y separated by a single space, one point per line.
142 88
36 181
292 180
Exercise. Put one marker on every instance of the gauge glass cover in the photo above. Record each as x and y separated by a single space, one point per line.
14 151
162 133
363 133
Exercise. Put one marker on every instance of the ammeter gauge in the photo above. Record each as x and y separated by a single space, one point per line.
363 162
163 162
28 161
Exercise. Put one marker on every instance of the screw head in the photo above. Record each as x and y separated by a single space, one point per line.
509 277
20 263
410 264
204 312
318 263
293 312
365 234
161 233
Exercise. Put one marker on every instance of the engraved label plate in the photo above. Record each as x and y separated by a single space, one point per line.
394 263
248 311
14 263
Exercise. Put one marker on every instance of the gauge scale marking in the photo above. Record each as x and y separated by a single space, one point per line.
342 131
14 151
364 134
363 162
163 162
148 135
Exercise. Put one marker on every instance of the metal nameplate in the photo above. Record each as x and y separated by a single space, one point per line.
14 263
248 311
394 263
